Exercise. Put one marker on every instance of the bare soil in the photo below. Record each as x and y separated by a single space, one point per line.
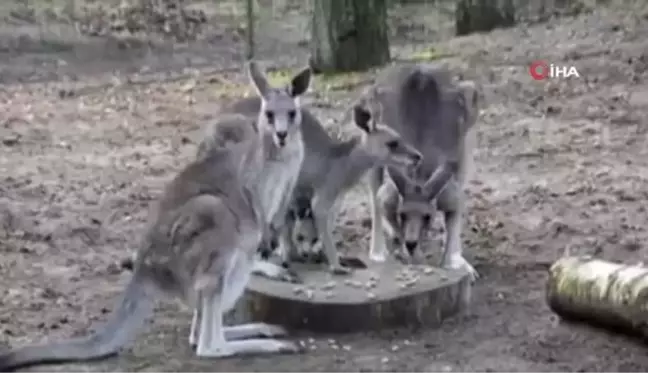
90 131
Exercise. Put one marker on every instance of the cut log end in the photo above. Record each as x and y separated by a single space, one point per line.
599 292
382 296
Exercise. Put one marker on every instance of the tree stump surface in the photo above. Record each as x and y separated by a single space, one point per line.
385 295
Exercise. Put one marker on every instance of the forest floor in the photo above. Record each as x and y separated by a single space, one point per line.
91 129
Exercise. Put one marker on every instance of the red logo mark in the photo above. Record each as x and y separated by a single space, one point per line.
539 70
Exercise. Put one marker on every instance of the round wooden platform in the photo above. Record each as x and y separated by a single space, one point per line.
382 296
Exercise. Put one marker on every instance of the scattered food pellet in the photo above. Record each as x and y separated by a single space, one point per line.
313 347
395 348
371 295
384 360
329 285
298 290
311 340
428 270
346 347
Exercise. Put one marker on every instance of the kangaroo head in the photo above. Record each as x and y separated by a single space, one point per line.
417 207
383 143
280 112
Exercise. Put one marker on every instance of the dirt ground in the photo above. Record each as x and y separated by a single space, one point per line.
91 131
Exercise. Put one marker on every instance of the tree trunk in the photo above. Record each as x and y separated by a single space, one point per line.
483 15
349 35
249 6
600 292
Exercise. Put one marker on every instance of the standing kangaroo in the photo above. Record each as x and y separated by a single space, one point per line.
437 115
330 168
333 167
201 243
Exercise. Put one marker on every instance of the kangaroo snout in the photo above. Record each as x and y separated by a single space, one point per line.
281 137
416 159
411 246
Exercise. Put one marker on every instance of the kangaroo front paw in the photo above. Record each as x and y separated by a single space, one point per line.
352 262
460 263
289 275
338 270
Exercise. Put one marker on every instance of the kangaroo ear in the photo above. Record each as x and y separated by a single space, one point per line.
258 78
362 118
300 82
400 179
377 117
439 179
469 100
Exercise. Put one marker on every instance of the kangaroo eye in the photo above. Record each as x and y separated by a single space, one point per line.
393 144
427 218
269 116
291 115
403 217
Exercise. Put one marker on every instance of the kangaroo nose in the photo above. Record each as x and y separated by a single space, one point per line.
416 158
314 241
281 135
411 246
300 238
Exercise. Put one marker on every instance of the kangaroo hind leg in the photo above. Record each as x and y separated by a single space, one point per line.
217 340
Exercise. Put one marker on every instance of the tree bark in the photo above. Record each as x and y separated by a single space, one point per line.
483 15
349 35
600 292
249 6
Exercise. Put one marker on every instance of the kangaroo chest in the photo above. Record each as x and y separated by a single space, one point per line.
278 178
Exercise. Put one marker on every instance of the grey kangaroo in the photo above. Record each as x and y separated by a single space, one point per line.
333 167
330 168
437 115
202 240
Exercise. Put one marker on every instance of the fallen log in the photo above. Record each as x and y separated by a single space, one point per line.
600 292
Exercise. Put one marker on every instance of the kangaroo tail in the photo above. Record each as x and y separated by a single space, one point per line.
122 327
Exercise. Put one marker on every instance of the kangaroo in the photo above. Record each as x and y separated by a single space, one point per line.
200 245
332 167
407 208
437 115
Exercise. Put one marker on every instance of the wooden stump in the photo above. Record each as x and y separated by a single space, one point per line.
598 292
381 296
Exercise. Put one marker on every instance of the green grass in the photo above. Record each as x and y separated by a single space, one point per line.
428 54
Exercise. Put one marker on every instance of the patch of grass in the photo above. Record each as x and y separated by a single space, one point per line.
324 82
428 54
336 82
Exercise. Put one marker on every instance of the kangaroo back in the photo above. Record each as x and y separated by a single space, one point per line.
424 105
229 132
